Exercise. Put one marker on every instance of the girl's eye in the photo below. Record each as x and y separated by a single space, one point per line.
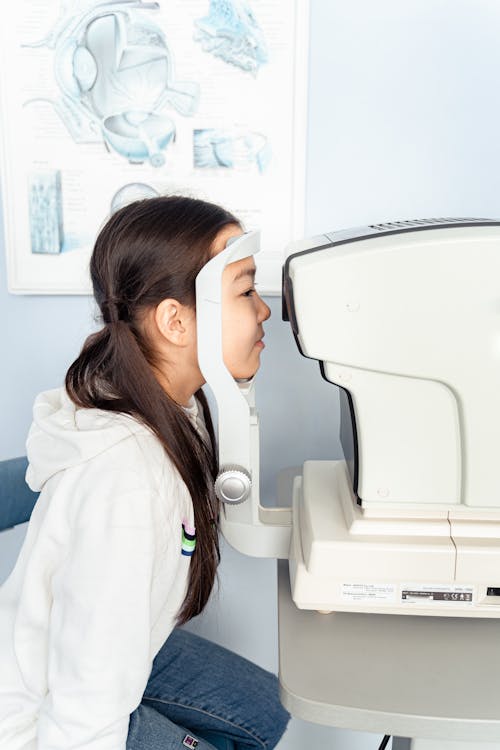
249 292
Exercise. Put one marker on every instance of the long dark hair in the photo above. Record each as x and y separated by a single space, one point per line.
148 251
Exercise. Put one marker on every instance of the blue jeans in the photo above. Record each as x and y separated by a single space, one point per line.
200 690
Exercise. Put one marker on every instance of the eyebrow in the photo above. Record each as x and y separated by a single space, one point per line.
245 272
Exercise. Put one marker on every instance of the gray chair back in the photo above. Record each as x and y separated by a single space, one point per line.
16 498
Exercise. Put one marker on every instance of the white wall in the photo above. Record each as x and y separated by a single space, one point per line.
404 122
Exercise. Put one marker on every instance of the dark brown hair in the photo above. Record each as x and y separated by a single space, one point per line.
148 251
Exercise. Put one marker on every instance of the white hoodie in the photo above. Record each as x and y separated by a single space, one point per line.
98 582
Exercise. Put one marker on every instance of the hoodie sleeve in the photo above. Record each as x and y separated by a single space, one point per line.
99 644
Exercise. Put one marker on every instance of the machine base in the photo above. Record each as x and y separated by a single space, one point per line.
409 569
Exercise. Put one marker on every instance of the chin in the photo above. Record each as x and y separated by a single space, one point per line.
246 374
244 377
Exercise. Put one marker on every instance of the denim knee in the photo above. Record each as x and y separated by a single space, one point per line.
280 719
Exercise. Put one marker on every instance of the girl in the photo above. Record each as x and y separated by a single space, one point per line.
122 544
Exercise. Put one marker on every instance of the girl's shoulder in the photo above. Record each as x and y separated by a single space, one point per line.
99 457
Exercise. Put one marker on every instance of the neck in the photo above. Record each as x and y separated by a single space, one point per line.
181 390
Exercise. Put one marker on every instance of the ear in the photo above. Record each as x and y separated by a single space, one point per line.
175 322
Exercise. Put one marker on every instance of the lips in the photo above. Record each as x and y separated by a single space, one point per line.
259 343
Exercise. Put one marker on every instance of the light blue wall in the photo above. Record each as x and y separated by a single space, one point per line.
404 122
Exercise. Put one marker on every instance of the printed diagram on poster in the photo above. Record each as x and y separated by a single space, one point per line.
107 102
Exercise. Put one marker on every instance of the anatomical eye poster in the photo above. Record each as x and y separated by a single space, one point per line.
105 102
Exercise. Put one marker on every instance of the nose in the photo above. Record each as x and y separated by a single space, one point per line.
264 311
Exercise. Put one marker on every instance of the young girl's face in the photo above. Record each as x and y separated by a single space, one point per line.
243 312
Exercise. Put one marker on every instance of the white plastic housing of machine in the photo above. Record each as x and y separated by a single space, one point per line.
405 318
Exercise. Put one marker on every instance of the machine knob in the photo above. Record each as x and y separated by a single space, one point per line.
233 485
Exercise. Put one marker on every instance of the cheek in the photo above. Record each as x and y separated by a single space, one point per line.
238 336
239 331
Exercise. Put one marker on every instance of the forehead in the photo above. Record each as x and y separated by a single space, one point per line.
240 269
243 269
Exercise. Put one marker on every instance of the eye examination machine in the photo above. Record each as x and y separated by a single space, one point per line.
405 318
389 557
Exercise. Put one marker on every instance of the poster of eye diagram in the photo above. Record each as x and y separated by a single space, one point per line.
106 102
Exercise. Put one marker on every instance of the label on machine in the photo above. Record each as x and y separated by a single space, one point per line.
409 593
369 592
441 594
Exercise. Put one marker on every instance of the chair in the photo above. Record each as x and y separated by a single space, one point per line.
16 504
16 498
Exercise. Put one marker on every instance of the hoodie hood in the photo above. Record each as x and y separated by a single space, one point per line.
63 435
